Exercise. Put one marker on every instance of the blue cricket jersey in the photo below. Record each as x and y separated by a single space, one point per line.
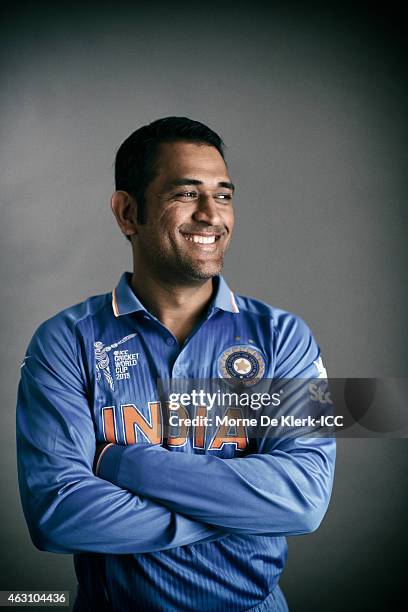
176 524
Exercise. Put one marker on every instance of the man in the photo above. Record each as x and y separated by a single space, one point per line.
167 523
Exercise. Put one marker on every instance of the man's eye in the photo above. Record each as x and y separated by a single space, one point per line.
224 197
186 194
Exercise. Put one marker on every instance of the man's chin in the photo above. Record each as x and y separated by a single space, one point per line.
200 273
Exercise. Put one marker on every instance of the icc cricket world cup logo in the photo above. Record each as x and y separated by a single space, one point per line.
102 359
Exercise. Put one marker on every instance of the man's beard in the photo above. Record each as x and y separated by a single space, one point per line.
183 270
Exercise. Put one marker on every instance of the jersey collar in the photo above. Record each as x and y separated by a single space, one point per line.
124 301
224 298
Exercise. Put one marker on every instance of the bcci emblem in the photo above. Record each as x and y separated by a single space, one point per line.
244 364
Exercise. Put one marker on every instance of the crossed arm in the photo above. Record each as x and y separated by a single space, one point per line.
146 498
282 492
283 489
67 508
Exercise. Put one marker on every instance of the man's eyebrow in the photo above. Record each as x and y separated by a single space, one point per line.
190 181
227 184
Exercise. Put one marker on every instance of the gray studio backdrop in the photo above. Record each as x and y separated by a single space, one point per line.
312 106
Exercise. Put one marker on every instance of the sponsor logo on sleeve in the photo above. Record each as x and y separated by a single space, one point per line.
321 370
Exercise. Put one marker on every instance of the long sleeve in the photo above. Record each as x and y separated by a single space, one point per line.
284 492
68 509
284 489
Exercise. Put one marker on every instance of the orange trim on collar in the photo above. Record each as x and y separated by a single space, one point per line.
115 304
233 302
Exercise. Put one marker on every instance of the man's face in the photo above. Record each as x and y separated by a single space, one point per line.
189 214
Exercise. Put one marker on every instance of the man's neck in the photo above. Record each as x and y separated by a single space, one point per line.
179 308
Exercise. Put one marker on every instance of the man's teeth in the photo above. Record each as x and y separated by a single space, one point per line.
200 239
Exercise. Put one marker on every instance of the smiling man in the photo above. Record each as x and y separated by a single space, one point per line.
158 521
188 223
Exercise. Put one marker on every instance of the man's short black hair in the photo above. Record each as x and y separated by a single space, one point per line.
136 158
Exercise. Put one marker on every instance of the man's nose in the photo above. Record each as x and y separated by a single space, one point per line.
207 210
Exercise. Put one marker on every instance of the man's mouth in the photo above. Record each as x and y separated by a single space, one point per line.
202 238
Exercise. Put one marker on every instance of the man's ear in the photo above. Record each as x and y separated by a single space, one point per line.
124 208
